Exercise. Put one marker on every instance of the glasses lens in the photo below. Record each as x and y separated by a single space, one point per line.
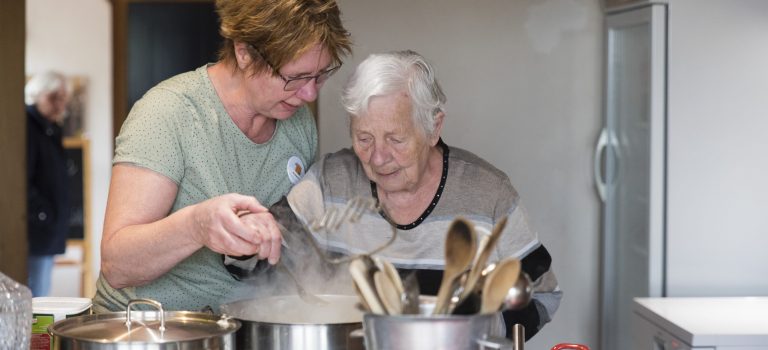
296 83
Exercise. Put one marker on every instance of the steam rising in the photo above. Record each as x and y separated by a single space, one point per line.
310 269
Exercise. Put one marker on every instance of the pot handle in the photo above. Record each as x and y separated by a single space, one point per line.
147 302
565 346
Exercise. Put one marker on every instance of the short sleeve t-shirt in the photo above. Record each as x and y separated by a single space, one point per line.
181 130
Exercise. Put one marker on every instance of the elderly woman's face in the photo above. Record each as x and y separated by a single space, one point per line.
53 105
394 152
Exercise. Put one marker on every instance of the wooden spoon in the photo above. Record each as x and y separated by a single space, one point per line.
393 275
498 283
388 294
362 275
482 258
460 246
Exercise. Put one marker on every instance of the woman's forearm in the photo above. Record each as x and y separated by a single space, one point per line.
138 254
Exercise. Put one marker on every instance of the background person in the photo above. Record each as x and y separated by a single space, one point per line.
203 146
395 104
46 97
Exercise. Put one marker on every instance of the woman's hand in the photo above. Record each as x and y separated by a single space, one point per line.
269 233
237 225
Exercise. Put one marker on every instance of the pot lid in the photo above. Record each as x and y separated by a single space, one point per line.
145 327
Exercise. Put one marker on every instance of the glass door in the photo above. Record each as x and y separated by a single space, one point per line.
630 162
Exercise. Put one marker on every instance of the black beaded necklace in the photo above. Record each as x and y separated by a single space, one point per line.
435 199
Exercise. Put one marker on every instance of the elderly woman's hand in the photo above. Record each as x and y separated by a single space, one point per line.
237 225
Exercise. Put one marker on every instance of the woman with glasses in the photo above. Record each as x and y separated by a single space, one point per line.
204 146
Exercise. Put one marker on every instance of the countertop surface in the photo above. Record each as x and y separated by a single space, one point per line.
711 321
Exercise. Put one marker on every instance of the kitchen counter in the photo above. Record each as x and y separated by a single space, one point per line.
711 322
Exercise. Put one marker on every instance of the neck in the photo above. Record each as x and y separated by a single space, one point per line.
229 85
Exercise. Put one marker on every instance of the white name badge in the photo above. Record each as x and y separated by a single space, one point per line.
296 169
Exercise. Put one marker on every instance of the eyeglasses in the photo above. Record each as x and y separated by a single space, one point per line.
295 83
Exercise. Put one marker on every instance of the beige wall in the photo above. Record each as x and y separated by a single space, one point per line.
61 37
523 84
13 211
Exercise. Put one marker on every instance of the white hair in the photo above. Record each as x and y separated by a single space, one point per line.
392 72
41 84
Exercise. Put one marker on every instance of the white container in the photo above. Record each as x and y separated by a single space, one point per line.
47 310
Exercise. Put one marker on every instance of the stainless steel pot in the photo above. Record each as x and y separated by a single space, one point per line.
464 332
146 330
288 322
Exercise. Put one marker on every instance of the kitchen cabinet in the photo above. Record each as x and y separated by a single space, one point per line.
725 323
681 162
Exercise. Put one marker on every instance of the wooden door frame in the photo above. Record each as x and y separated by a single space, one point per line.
120 57
13 142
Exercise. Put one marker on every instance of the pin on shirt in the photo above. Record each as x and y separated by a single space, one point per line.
296 169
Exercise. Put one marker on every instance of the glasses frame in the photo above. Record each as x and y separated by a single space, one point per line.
318 78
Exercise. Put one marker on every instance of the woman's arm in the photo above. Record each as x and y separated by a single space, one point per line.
141 241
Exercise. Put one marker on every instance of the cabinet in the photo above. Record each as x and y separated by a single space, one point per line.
681 163
728 323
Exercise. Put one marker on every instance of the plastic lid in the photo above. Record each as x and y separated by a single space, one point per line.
60 305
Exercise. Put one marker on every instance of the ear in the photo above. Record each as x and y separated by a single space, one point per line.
438 128
242 55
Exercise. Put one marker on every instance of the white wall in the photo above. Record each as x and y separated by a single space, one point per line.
718 149
523 80
75 38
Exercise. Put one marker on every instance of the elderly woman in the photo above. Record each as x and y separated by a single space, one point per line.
46 97
396 115
204 146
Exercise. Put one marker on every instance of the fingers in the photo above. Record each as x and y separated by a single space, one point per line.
266 232
241 203
237 225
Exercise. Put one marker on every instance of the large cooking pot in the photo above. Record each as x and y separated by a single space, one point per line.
146 330
287 322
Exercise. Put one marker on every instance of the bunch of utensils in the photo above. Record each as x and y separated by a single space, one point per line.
470 285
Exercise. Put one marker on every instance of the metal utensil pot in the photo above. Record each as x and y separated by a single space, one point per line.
480 331
157 330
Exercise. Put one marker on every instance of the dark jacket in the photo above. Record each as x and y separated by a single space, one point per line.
47 186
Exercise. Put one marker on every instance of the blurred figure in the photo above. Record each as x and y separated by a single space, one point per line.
46 97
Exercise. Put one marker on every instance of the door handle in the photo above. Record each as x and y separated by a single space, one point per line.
602 143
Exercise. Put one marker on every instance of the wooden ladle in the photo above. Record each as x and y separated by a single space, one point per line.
498 283
460 246
482 258
362 275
